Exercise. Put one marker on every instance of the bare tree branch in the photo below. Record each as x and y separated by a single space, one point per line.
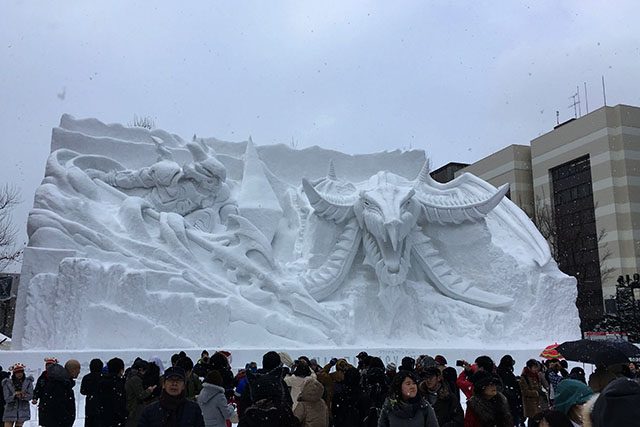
9 198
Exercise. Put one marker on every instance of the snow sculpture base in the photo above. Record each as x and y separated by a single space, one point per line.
140 240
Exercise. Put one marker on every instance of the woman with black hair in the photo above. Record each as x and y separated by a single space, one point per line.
511 389
18 391
405 406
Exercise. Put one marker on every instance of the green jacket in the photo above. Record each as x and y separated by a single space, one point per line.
193 386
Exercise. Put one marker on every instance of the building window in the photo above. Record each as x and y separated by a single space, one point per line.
577 241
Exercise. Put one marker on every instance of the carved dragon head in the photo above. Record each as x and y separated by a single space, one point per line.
387 213
388 207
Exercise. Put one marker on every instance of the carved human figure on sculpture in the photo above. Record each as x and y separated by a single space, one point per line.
183 190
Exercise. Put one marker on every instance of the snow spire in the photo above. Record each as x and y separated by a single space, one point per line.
332 171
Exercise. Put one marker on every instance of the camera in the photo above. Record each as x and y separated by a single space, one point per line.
460 363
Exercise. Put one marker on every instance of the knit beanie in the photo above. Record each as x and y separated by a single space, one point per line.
271 360
618 403
569 393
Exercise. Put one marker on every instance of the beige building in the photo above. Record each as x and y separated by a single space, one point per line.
510 165
587 171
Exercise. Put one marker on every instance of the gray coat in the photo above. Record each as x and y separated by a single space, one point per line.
17 409
399 414
213 403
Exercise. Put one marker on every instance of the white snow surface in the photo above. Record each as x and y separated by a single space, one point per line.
258 264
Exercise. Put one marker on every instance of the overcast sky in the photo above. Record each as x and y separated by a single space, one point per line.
457 79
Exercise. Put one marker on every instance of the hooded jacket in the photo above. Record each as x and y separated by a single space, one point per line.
17 409
57 401
618 403
312 410
213 403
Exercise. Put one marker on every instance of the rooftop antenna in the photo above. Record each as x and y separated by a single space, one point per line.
576 101
604 92
557 117
579 107
586 99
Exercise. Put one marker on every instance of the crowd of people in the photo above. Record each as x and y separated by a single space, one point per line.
421 392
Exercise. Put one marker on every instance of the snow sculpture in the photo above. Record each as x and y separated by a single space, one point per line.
384 213
159 243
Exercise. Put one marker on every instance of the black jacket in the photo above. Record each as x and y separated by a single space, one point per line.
447 408
57 402
266 413
159 414
89 388
349 407
111 402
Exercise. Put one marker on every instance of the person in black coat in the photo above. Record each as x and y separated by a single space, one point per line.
57 401
111 400
220 363
173 409
436 389
349 405
89 388
511 389
3 375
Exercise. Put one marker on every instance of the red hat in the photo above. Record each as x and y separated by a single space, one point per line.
18 367
50 360
440 360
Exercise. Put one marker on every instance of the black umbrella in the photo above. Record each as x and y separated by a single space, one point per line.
599 352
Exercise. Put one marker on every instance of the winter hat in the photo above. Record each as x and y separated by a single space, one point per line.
174 372
482 379
407 364
185 363
569 393
271 360
428 362
391 366
440 360
214 377
140 364
618 403
50 361
342 365
362 355
17 367
507 361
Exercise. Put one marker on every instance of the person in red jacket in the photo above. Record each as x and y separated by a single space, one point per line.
464 381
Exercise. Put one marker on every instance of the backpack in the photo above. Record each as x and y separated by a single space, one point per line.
265 413
269 385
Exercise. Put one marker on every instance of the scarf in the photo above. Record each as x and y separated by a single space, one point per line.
173 406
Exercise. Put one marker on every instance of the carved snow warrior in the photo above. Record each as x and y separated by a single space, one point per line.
386 214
